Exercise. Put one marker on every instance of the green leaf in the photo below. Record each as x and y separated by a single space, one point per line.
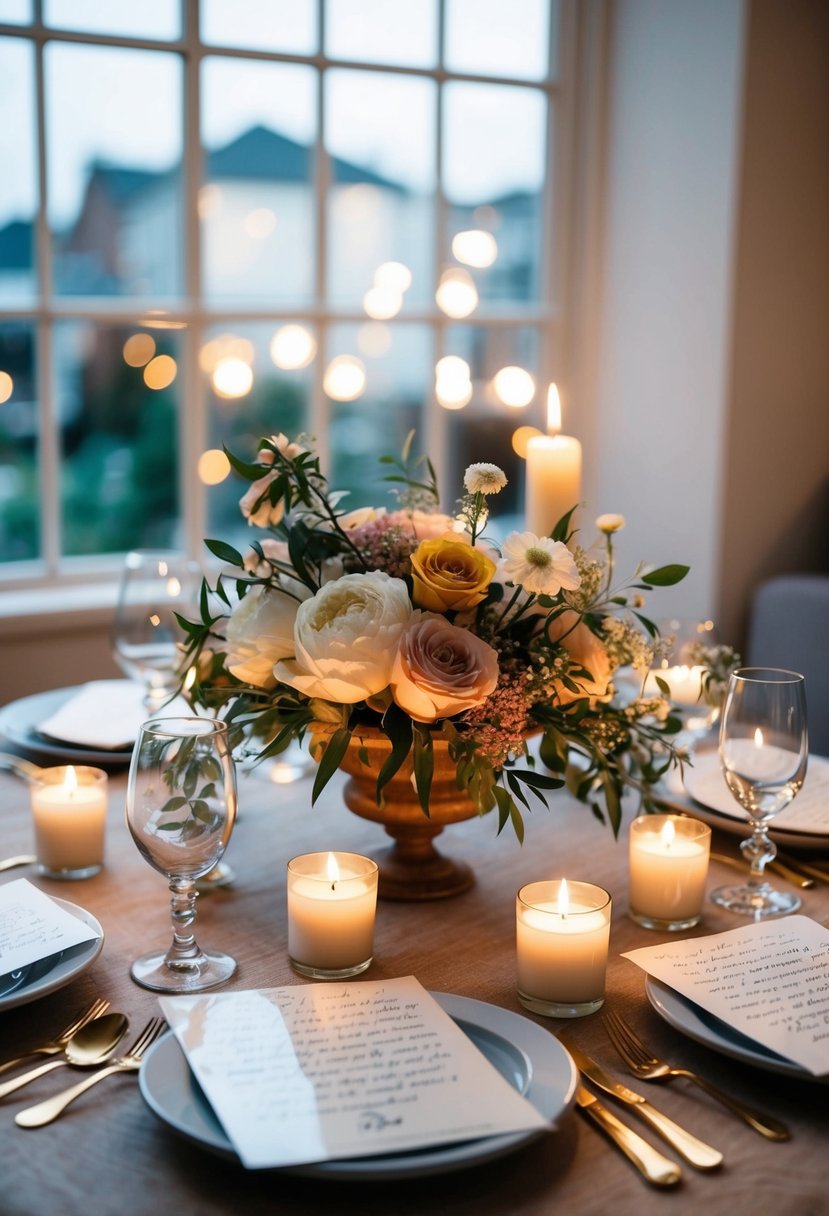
665 576
505 805
539 780
515 786
330 760
562 529
424 766
397 727
169 827
649 625
225 553
663 686
250 471
173 804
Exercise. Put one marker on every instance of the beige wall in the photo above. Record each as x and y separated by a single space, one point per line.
776 461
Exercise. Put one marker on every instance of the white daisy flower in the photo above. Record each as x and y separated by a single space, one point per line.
538 564
610 523
484 479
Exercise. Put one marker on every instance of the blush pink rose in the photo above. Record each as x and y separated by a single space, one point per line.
441 670
588 651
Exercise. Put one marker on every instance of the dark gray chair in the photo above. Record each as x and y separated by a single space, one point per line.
789 627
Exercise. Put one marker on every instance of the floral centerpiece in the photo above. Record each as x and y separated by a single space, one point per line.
412 622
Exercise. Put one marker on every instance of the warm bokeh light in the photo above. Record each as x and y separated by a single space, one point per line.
457 294
521 437
6 387
452 394
514 387
381 303
374 339
232 377
293 347
138 350
226 346
345 378
260 223
160 372
475 248
393 276
213 467
157 318
454 368
210 201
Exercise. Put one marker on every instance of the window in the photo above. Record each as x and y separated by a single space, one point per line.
324 216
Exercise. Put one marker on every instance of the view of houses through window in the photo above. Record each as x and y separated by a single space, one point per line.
333 217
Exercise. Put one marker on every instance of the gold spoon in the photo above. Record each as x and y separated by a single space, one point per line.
92 1044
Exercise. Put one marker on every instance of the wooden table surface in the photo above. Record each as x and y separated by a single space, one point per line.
110 1154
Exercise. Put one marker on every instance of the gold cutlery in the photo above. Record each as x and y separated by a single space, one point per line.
91 1045
658 1170
642 1063
778 867
45 1112
699 1154
57 1044
812 869
25 859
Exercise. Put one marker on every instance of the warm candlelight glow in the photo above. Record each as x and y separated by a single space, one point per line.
332 869
69 807
758 737
668 833
70 782
553 410
563 898
668 870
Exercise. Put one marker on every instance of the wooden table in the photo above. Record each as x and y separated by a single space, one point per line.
109 1153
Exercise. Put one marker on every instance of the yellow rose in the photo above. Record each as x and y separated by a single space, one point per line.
450 575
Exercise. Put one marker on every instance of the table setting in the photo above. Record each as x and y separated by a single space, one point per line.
571 1005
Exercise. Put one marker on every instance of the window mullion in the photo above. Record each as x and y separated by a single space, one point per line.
319 405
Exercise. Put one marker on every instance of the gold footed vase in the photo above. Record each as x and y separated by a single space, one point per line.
411 868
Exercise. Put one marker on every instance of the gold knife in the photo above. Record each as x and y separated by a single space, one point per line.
658 1170
699 1154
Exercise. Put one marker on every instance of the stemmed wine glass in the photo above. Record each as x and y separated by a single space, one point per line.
146 635
181 807
764 748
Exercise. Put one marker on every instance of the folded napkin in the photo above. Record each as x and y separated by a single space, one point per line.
105 714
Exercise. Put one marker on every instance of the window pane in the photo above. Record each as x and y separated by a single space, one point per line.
263 25
18 174
388 368
379 134
117 397
494 184
382 31
114 183
499 39
256 204
258 382
19 474
16 12
149 19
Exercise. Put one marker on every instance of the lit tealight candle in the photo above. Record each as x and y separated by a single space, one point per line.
684 682
332 899
669 857
69 806
553 472
562 936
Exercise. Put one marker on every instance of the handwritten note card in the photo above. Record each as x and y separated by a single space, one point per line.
33 926
316 1072
768 979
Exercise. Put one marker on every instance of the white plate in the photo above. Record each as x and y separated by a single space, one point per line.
528 1056
19 721
42 978
690 1019
714 804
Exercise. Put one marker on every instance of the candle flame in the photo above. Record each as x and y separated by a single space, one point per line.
553 410
758 737
563 898
70 781
333 870
668 833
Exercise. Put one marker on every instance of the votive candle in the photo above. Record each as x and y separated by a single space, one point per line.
332 900
69 806
668 870
553 475
562 937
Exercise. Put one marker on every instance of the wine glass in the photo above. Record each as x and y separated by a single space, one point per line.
146 635
764 748
181 807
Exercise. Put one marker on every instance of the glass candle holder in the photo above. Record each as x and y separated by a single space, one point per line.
69 806
562 937
332 900
668 871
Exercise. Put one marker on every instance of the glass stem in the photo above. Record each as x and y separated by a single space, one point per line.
759 849
184 951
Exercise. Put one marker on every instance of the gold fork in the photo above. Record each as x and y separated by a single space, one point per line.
642 1063
56 1045
45 1112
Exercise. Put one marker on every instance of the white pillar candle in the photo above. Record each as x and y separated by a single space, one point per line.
562 936
332 899
684 682
69 806
668 860
553 482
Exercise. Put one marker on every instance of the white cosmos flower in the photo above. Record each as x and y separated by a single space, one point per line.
538 564
610 523
484 479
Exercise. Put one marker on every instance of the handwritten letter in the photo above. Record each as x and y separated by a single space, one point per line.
33 926
323 1071
768 979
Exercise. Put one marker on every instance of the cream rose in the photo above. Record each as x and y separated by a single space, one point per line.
441 670
260 630
588 651
346 638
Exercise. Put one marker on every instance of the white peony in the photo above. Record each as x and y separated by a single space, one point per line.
346 638
259 631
